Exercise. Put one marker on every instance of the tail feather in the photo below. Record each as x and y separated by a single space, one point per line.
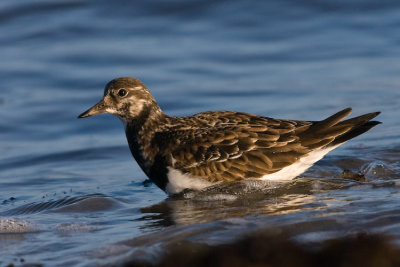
361 119
356 131
359 124
334 119
334 130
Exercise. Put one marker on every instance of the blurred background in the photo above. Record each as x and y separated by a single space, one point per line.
61 177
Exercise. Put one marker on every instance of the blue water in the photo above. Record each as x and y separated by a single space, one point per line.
70 192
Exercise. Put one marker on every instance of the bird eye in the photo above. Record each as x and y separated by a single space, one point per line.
122 92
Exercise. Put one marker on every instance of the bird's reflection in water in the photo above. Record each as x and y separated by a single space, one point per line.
241 199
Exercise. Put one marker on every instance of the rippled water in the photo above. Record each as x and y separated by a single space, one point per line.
70 192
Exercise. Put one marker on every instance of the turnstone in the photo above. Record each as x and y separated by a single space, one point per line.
198 151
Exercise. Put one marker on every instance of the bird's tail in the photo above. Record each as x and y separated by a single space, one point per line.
359 125
334 130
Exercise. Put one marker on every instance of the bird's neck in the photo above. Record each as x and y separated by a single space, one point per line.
140 132
150 116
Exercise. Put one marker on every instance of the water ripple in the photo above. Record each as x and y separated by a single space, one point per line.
87 203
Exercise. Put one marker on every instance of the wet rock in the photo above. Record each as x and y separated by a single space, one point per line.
347 174
260 249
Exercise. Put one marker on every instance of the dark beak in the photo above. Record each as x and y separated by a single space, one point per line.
96 109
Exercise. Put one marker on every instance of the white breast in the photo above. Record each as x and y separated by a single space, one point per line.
178 181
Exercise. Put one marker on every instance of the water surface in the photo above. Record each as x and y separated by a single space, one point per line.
70 192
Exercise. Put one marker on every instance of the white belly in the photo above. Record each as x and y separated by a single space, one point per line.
178 181
297 168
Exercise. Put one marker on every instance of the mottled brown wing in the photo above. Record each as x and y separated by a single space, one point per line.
239 146
232 146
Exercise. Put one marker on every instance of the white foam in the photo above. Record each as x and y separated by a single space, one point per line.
74 227
11 225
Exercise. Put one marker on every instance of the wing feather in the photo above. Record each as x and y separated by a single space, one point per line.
237 147
232 146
